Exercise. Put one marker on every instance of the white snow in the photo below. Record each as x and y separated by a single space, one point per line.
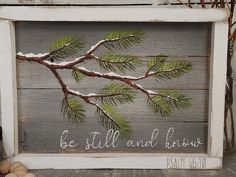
64 63
30 55
73 91
117 75
80 94
112 74
151 92
140 86
48 62
91 94
95 46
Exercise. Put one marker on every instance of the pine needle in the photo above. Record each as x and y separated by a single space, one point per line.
168 70
173 69
123 39
155 62
65 47
159 106
168 100
73 110
117 94
77 75
119 62
110 118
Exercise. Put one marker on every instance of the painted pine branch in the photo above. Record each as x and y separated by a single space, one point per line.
123 39
116 94
163 102
73 110
110 118
118 62
64 47
77 75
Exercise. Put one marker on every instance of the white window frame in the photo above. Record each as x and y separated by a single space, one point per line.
211 160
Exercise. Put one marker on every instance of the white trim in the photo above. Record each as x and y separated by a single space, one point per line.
120 161
75 2
8 86
112 14
218 67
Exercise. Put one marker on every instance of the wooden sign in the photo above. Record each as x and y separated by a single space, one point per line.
139 88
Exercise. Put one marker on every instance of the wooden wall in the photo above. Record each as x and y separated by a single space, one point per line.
39 94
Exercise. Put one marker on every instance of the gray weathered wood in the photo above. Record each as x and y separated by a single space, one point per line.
175 39
39 94
31 75
39 110
74 173
44 104
44 136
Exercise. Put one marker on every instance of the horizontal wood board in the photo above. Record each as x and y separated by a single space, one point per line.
39 94
95 2
74 2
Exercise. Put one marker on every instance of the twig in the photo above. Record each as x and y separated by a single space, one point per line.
203 3
186 4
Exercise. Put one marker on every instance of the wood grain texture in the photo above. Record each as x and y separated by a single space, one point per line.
31 75
217 89
95 2
44 104
8 86
177 40
39 94
112 14
44 136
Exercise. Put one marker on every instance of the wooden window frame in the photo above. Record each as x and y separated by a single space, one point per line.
211 160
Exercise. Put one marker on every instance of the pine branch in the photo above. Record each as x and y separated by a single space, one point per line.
77 75
65 47
73 110
163 102
117 93
114 62
170 70
110 118
159 106
167 100
175 99
155 62
123 39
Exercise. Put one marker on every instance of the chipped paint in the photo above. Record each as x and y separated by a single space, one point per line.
119 14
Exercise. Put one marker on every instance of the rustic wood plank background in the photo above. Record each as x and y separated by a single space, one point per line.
39 94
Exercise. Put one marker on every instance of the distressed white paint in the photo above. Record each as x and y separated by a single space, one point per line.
217 88
118 161
8 86
112 14
102 2
145 160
